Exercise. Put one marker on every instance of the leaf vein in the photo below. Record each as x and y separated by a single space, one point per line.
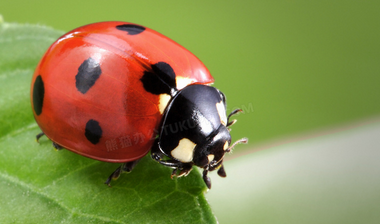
70 211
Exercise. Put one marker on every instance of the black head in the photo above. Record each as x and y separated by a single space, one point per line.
210 154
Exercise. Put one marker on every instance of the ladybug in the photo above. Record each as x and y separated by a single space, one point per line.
113 91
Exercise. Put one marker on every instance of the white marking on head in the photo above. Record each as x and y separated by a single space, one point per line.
163 102
210 157
222 112
184 152
182 82
225 147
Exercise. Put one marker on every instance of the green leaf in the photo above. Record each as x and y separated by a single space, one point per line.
41 185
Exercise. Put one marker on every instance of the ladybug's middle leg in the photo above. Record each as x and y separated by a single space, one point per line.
125 167
55 145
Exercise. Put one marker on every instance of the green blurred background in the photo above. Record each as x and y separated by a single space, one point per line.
294 66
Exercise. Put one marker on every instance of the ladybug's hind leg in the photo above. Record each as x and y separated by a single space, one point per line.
55 145
125 167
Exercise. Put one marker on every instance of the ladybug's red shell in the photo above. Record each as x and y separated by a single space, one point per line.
90 95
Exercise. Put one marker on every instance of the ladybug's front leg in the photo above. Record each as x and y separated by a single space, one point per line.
206 179
183 168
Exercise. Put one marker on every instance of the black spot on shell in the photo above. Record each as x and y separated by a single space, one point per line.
160 80
38 95
88 72
131 29
165 72
93 131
